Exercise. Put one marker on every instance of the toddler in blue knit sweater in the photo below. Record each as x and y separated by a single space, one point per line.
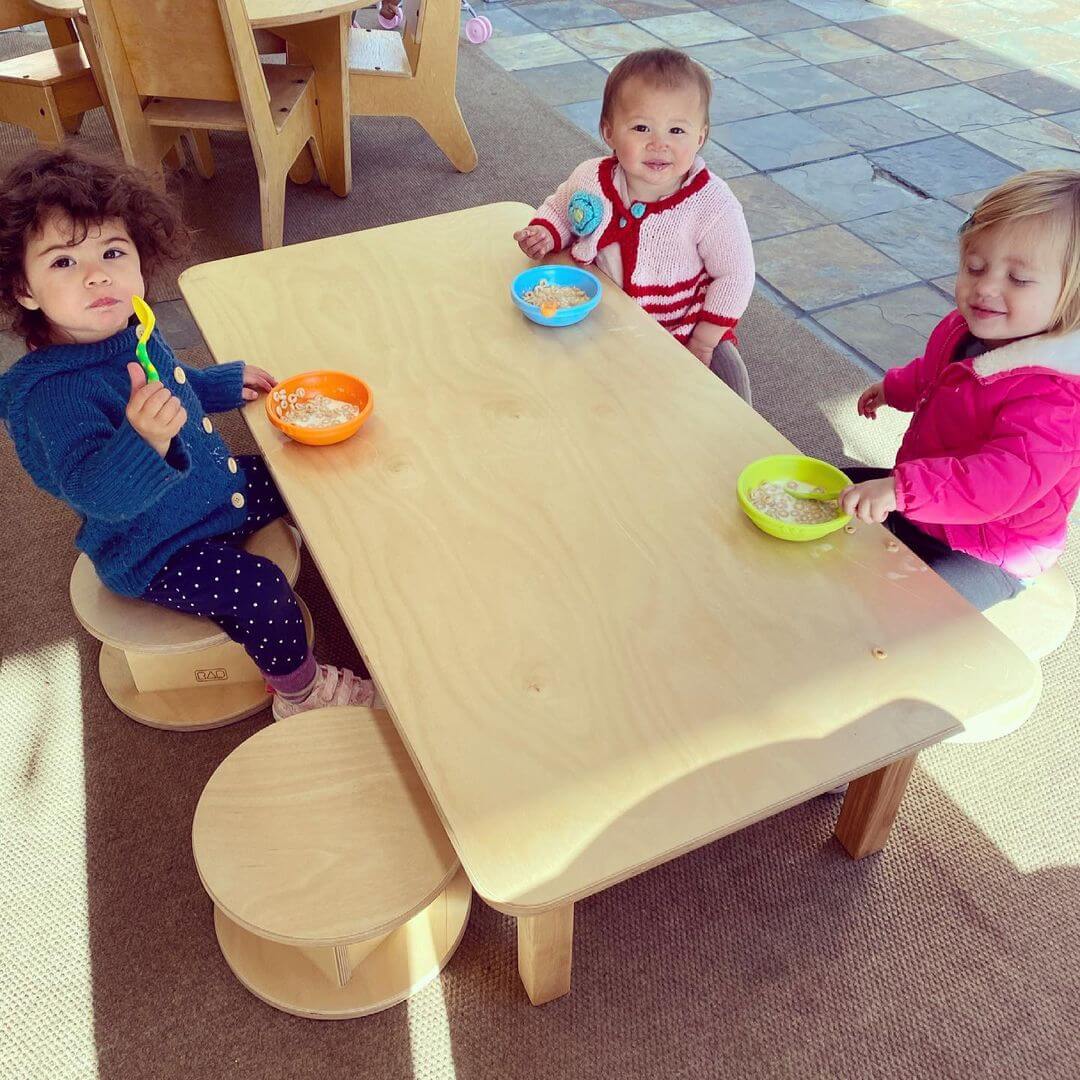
164 506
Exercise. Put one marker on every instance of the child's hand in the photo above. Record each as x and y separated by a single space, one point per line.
871 501
153 410
871 399
535 241
256 379
703 341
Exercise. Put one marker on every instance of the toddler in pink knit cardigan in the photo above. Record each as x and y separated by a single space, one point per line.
652 217
990 466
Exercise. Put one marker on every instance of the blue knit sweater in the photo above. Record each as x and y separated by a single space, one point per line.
64 407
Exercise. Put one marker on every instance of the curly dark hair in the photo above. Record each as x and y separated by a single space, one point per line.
88 190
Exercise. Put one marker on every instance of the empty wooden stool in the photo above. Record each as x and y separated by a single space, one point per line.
1037 621
336 892
170 670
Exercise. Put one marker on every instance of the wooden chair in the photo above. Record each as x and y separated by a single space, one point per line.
1037 621
169 65
414 73
336 891
175 671
48 91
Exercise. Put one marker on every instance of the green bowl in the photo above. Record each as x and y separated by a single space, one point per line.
781 468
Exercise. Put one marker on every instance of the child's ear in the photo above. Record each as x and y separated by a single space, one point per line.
605 133
703 135
28 302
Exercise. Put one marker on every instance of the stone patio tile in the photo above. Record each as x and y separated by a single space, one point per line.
872 124
1036 47
825 44
1031 144
889 73
947 285
722 162
586 116
733 101
770 210
800 87
646 9
617 39
922 237
773 17
1039 93
563 14
697 28
888 330
1069 120
508 23
967 19
564 84
899 32
607 62
845 188
841 10
943 167
772 142
749 54
528 51
964 60
959 107
826 266
969 199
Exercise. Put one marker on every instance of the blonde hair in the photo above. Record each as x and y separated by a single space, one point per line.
1051 196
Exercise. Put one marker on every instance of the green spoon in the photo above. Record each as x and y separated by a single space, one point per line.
812 495
146 328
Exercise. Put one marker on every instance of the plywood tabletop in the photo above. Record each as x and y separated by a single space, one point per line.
596 661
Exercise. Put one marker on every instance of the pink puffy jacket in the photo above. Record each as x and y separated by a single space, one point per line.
991 460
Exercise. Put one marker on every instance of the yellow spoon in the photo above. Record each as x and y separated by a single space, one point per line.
146 327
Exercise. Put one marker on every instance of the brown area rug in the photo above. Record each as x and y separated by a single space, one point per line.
768 954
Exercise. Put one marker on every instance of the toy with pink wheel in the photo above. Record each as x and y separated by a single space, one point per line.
393 22
478 29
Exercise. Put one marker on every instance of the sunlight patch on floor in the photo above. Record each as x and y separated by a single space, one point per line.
46 1005
429 1035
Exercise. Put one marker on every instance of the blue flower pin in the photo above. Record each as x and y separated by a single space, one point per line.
638 210
586 212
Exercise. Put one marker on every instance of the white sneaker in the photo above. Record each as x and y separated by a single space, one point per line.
332 686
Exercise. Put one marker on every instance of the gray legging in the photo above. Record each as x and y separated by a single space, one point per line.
728 366
979 582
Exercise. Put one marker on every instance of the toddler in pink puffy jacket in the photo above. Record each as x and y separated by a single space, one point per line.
990 466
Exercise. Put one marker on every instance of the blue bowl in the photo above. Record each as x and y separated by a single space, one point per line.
556 275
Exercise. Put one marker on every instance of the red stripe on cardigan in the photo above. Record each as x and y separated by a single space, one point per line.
551 229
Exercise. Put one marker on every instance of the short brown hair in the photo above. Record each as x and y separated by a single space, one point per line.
665 68
88 190
1048 196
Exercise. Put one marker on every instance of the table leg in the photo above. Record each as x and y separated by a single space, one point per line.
545 952
325 45
870 807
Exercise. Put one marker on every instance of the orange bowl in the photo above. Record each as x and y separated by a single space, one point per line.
333 384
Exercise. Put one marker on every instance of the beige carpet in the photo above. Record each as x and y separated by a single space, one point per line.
769 954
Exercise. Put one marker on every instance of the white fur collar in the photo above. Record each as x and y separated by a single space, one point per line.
1057 353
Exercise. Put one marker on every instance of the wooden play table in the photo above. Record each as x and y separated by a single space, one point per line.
596 661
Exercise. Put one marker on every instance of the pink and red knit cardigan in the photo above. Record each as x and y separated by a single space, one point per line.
685 259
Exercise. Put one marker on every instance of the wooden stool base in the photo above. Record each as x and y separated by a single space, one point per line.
1003 720
296 979
196 708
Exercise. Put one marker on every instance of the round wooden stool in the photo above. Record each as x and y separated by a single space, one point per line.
170 670
1037 621
336 892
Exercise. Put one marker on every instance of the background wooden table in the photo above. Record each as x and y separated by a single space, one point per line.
596 661
316 30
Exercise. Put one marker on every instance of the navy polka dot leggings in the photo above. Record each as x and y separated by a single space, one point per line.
246 595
